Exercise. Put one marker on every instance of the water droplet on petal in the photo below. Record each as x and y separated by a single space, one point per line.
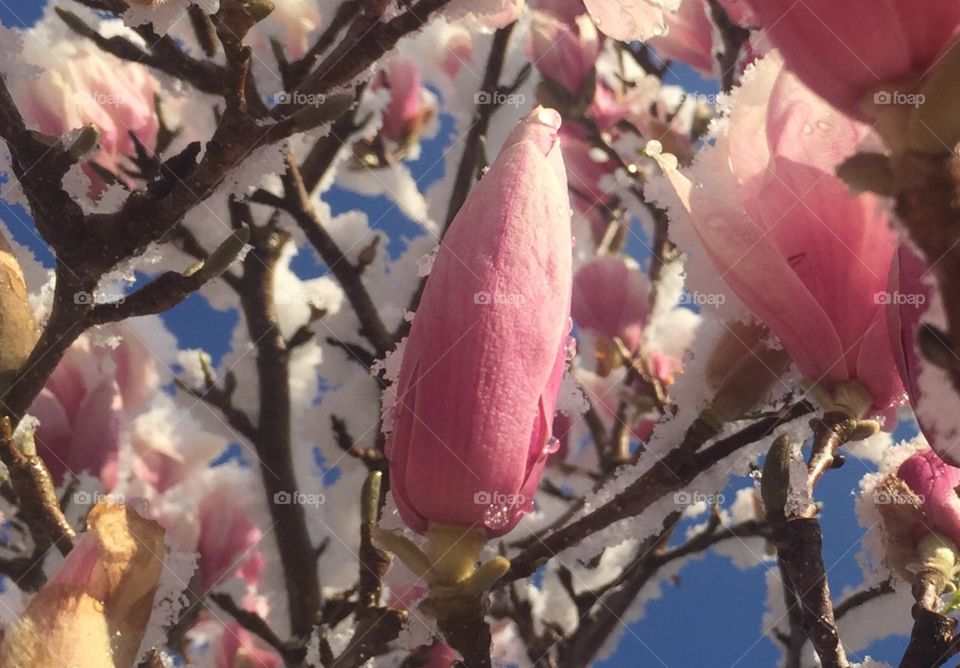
549 117
553 444
570 348
807 129
823 125
497 516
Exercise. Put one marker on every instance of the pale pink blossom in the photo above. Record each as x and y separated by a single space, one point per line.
631 19
689 37
612 298
843 50
785 234
482 366
227 540
564 54
83 84
909 299
88 402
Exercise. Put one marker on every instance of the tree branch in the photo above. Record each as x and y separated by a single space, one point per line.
677 468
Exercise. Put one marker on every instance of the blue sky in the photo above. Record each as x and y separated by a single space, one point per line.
712 616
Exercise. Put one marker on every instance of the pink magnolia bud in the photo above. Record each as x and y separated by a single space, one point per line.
689 37
935 482
612 298
564 53
18 328
94 611
909 297
803 254
406 112
457 50
483 363
844 49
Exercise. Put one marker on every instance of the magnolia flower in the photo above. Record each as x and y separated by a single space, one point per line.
94 611
88 402
216 524
227 539
612 298
564 54
81 84
689 37
482 366
631 19
803 254
845 50
909 298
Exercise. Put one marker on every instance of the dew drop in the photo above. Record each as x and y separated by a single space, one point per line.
570 348
497 516
823 125
807 129
654 147
553 445
549 118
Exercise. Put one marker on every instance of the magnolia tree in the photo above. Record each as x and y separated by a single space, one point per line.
626 324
